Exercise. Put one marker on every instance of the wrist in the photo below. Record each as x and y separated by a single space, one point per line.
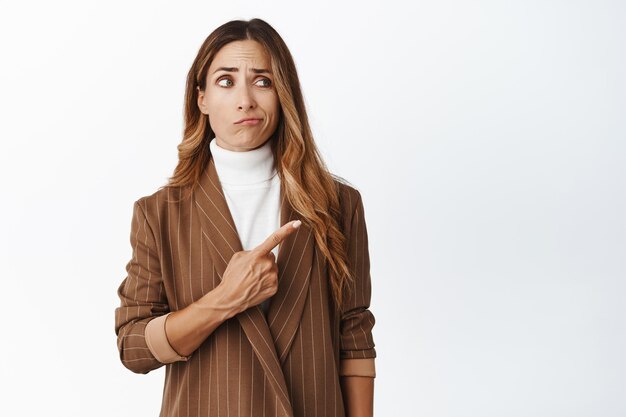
219 304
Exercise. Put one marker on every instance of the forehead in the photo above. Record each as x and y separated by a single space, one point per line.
234 54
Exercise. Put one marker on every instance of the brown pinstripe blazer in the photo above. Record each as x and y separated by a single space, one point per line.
287 363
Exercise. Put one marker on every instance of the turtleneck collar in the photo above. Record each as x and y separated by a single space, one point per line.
243 168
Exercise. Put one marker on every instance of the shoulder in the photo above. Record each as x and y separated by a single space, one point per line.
160 202
346 189
163 196
350 198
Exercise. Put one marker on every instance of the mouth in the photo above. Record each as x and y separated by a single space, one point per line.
248 121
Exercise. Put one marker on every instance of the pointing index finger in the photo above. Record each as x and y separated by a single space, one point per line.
278 236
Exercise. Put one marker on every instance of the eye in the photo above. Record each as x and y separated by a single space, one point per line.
227 78
269 82
223 79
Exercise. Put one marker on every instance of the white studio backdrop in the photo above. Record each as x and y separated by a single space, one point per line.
487 139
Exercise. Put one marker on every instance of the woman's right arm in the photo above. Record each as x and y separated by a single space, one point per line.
142 296
140 320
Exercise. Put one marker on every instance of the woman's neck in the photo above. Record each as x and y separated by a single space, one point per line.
243 168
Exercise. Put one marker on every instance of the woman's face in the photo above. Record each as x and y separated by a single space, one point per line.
239 85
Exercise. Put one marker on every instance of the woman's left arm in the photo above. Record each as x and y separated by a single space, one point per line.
358 395
357 353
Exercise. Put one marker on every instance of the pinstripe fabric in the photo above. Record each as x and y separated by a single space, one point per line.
287 363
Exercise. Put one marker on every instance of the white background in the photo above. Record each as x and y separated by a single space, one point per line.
486 137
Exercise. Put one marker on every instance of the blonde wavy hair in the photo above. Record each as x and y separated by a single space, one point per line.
308 185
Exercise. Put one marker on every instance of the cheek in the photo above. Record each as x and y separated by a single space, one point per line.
217 122
215 101
273 105
216 111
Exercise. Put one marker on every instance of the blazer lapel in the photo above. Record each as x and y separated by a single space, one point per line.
295 262
270 341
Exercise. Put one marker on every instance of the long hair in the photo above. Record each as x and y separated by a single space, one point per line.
308 185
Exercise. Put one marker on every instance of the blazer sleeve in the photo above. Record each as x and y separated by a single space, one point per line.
142 298
357 350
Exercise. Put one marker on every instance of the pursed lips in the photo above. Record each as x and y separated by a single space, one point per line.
248 120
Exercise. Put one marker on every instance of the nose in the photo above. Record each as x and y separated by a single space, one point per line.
246 101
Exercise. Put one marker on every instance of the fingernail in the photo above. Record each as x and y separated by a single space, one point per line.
297 224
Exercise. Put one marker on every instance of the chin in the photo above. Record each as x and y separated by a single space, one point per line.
241 143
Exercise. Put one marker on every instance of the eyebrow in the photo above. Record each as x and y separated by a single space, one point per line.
235 69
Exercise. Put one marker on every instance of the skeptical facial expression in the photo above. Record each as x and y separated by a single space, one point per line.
240 85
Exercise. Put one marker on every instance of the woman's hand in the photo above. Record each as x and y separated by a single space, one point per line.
251 276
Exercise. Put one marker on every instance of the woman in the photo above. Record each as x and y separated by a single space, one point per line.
250 274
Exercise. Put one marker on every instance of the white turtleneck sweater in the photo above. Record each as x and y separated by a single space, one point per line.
252 189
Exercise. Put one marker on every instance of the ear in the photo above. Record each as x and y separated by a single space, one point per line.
201 105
